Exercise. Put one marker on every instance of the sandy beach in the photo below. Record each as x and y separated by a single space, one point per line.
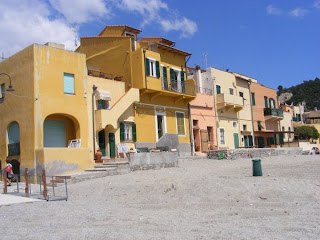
200 199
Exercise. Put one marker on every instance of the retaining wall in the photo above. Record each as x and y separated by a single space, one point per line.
152 160
233 154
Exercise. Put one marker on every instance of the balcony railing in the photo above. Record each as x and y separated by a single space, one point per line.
180 87
206 91
14 149
276 112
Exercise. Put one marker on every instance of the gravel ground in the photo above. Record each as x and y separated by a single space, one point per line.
201 199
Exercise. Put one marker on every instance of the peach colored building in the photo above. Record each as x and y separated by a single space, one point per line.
203 113
266 116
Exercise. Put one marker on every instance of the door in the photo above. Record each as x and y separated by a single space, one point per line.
102 142
112 145
204 141
236 140
260 142
245 138
250 141
54 133
281 136
160 128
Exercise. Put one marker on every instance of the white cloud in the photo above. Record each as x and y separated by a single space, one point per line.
81 11
316 4
271 10
298 13
185 25
25 22
157 11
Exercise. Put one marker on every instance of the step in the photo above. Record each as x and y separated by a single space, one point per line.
99 169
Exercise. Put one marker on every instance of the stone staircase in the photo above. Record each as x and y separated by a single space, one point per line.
109 167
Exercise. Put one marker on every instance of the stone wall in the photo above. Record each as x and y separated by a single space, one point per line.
152 160
233 154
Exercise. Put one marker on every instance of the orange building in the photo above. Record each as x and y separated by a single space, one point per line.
203 113
266 116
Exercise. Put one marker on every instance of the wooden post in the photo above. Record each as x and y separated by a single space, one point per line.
26 177
44 180
5 181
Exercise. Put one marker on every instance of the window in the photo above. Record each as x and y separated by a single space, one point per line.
195 123
152 68
231 91
244 127
68 80
3 90
210 134
260 127
272 103
218 89
103 104
128 132
234 124
133 40
241 94
177 80
222 138
282 129
253 99
180 123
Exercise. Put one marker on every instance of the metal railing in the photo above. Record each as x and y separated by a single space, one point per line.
182 87
206 91
277 112
50 188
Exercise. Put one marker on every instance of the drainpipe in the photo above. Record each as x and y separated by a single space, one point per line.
250 96
145 72
94 88
191 132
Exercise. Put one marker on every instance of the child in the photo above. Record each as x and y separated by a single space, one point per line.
9 172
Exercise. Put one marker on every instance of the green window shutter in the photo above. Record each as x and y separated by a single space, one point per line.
253 99
157 69
121 131
183 85
171 75
218 89
3 90
270 104
147 67
266 102
134 132
250 141
164 78
274 103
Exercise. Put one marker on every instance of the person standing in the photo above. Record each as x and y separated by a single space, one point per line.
9 172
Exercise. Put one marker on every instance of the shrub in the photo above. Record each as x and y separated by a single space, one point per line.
306 132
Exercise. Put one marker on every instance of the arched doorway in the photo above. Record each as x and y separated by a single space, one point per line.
59 129
13 139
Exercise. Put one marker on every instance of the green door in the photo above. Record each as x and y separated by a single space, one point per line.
112 145
281 136
260 142
245 141
250 141
236 140
102 142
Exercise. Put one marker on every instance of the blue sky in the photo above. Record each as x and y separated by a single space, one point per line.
274 41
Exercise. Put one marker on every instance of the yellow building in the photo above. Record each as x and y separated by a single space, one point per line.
233 108
46 111
157 69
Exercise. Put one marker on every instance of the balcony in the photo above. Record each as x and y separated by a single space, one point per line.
205 91
229 102
111 116
273 114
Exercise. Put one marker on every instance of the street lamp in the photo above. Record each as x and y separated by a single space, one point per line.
10 88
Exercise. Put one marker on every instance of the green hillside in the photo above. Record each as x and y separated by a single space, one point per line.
308 91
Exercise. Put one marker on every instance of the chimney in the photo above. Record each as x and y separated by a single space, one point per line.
198 77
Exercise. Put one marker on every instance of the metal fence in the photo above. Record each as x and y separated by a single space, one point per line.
50 188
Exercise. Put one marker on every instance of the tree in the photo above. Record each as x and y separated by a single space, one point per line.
280 89
306 132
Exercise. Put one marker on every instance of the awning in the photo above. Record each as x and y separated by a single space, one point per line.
103 95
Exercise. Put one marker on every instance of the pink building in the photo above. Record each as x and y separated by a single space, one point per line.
203 113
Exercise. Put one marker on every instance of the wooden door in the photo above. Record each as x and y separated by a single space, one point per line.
204 140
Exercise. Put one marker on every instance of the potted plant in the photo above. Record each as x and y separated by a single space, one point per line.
98 156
